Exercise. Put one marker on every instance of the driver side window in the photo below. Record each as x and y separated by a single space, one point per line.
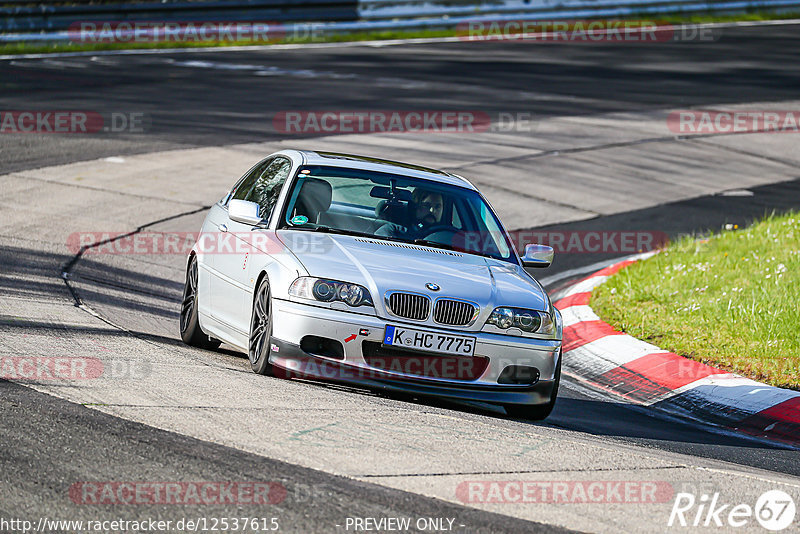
245 184
264 183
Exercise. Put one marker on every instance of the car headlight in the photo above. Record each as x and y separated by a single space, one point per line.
321 289
532 321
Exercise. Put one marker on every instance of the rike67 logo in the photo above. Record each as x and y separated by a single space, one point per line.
774 510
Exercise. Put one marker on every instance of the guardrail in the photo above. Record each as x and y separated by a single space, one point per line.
346 16
44 17
389 9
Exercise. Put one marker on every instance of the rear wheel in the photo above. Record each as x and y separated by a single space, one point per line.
261 330
191 334
541 411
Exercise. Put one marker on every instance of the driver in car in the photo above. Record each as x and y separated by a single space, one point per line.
427 210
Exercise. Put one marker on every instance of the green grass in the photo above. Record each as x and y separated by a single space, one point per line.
707 17
42 48
731 300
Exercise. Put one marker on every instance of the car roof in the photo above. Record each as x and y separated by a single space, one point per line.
336 159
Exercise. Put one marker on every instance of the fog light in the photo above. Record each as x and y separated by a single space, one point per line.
519 374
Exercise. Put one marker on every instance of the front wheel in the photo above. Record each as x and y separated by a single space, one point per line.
191 333
261 330
539 412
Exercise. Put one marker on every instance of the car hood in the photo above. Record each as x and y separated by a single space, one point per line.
383 266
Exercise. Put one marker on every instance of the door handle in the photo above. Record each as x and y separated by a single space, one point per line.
223 227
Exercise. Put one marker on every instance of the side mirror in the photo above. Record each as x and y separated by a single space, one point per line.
537 256
244 211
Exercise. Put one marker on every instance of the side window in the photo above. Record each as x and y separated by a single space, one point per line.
267 187
494 231
456 221
246 184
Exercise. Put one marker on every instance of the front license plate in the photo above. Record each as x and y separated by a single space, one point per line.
409 338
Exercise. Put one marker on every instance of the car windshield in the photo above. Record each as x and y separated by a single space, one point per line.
395 207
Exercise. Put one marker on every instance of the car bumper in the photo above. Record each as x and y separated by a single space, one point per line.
477 378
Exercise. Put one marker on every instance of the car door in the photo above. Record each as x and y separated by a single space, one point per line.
232 289
225 297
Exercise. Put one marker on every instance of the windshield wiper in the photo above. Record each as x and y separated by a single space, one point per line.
341 231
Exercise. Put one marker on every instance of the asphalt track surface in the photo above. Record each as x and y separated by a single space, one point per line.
210 99
213 98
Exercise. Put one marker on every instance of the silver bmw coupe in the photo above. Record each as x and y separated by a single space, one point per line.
376 273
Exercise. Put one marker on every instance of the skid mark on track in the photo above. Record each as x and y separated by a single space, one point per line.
622 144
527 471
70 265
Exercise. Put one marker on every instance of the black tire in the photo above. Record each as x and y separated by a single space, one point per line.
258 346
191 333
539 412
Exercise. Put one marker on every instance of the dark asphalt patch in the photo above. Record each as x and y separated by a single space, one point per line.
85 445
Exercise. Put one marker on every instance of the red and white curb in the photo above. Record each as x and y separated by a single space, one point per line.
647 375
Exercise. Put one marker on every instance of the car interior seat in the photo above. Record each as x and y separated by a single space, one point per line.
314 199
394 211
